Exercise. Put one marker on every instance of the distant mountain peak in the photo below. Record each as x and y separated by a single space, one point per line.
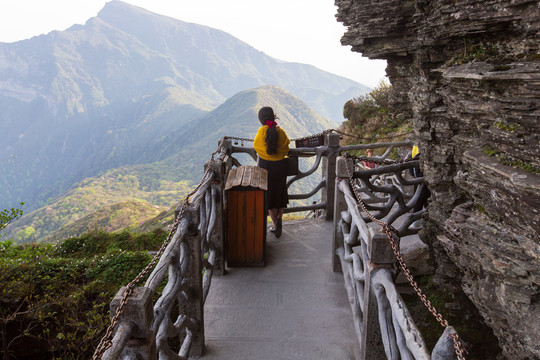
118 5
98 96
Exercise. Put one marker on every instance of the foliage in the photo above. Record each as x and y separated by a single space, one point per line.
119 199
505 126
54 298
7 216
474 52
372 118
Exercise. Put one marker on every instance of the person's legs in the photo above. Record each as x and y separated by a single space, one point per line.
279 215
273 215
276 215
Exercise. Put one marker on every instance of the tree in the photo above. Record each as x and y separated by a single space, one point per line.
7 216
372 117
366 111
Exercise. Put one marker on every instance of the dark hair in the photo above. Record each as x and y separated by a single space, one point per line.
267 113
271 140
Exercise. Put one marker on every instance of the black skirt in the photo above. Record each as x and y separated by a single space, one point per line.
276 196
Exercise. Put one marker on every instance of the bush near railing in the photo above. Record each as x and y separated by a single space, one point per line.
55 297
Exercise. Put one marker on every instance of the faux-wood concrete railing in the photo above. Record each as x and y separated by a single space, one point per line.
146 327
383 324
195 253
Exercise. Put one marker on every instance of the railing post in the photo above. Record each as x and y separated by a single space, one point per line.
339 206
379 255
226 143
329 173
217 235
138 313
444 348
193 307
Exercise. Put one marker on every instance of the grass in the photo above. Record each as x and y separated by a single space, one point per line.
474 52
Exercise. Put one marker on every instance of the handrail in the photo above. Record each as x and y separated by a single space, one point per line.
324 159
368 265
195 253
363 236
195 248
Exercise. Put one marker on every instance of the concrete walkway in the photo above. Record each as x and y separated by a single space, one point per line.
294 308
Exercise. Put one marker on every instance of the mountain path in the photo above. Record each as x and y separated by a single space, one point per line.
293 308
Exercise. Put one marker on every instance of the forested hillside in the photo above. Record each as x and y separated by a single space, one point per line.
128 196
98 96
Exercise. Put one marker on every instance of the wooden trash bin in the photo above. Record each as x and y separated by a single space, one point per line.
246 216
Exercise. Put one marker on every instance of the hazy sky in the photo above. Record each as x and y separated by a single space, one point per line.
304 31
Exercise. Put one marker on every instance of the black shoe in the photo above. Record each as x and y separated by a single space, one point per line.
278 228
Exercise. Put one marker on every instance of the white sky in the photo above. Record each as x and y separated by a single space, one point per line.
304 31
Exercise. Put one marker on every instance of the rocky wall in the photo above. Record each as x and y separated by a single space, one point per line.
468 72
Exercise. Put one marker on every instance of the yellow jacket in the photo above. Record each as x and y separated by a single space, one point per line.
259 144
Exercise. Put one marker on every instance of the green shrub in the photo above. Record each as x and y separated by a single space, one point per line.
119 267
371 118
54 299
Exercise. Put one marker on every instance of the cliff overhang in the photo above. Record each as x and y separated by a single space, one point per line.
467 72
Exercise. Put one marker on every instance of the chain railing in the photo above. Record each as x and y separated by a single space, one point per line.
324 159
193 246
142 327
368 265
193 253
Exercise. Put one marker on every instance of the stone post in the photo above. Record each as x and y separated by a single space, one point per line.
138 312
329 173
193 307
379 255
217 236
339 206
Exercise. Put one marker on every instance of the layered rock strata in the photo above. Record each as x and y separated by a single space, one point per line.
468 72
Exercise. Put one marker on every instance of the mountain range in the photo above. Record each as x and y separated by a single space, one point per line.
133 103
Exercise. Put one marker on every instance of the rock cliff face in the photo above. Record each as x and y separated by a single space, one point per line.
468 72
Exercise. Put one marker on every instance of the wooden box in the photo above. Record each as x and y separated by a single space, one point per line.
246 216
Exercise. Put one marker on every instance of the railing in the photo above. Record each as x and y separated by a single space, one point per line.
144 329
383 325
325 158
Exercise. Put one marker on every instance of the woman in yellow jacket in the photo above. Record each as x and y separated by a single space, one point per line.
272 144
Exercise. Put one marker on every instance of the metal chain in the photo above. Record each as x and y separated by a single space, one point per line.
295 139
324 132
106 341
388 229
238 138
217 150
